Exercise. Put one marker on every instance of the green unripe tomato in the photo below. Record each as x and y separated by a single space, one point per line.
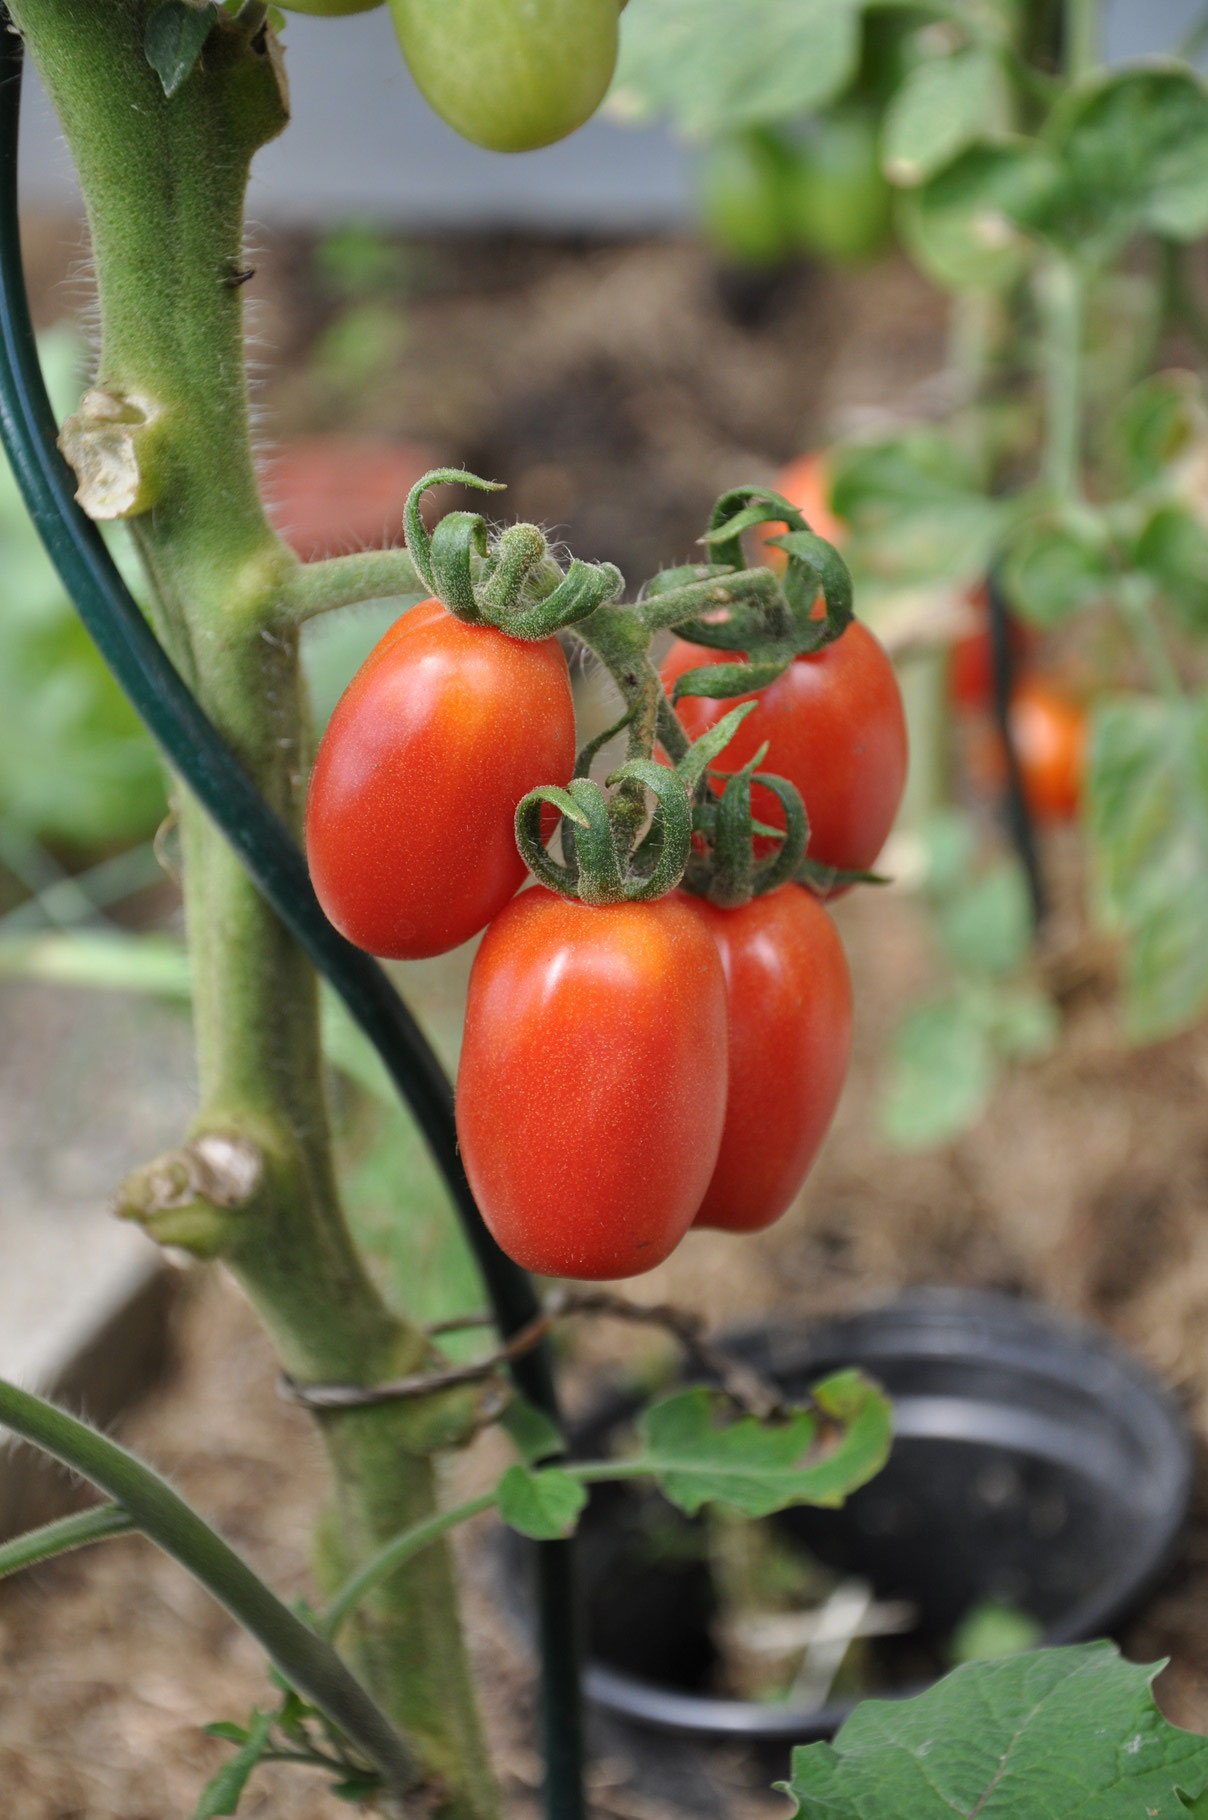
510 75
839 201
743 184
329 9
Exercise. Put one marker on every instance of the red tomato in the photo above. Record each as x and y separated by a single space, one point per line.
592 1086
788 995
1049 732
971 667
439 734
835 728
804 483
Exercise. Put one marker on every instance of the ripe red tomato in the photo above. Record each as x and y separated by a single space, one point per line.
1049 731
971 665
511 75
789 1002
592 1086
409 821
805 484
835 728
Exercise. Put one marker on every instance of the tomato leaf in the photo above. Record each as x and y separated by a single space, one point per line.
1149 833
714 72
1173 551
942 1070
1050 573
173 39
757 1466
986 927
221 1794
1067 1733
531 1432
969 226
545 1505
944 104
916 509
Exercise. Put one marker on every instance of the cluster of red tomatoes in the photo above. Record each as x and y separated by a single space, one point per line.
628 1070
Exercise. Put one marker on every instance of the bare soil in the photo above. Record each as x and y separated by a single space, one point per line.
617 390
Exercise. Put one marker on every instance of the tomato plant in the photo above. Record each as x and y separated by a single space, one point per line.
835 728
511 75
582 1021
430 748
804 483
839 202
789 1012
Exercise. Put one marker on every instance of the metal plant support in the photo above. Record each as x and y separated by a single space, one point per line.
199 757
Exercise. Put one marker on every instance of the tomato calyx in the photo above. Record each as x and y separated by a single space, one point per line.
505 578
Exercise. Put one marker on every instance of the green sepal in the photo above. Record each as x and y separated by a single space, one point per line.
584 587
824 879
701 753
668 843
783 866
720 682
816 567
599 878
459 539
533 851
419 543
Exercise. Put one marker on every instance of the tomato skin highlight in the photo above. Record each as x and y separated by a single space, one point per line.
409 819
835 728
510 75
789 1012
592 1085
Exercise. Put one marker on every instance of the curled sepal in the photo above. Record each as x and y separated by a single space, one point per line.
744 509
533 850
823 879
702 752
658 863
454 548
720 682
584 587
785 864
736 875
816 568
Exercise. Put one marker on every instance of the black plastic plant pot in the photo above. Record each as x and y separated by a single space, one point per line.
1036 1467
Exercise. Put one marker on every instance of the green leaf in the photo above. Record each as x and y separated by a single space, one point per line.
987 928
544 1505
1149 833
1155 424
1173 551
1133 149
173 40
1022 1022
356 1789
941 1073
1049 573
714 72
944 105
915 508
949 841
757 1466
222 1792
1198 1807
228 1730
534 1436
990 1631
1059 1734
969 227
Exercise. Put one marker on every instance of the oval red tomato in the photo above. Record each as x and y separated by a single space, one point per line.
1049 730
592 1085
409 820
789 1006
835 727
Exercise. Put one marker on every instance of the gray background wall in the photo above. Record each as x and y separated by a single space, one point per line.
365 143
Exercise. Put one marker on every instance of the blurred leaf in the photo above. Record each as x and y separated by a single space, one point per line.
1070 1734
1149 831
987 927
941 1072
991 1631
222 1792
1022 1022
949 839
1155 424
757 1466
915 508
1049 572
943 105
534 1436
544 1505
969 226
105 960
1173 551
714 71
1133 148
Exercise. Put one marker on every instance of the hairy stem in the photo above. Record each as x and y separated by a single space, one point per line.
164 181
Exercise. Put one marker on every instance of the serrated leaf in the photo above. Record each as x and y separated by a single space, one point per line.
534 1436
173 40
1050 573
970 225
1149 832
713 73
941 1073
544 1505
1067 1734
699 1457
1133 149
916 510
222 1792
944 105
987 927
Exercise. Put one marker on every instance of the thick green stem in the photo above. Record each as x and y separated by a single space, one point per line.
343 581
1082 31
1060 296
164 181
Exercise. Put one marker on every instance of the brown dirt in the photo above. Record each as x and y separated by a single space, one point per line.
616 392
